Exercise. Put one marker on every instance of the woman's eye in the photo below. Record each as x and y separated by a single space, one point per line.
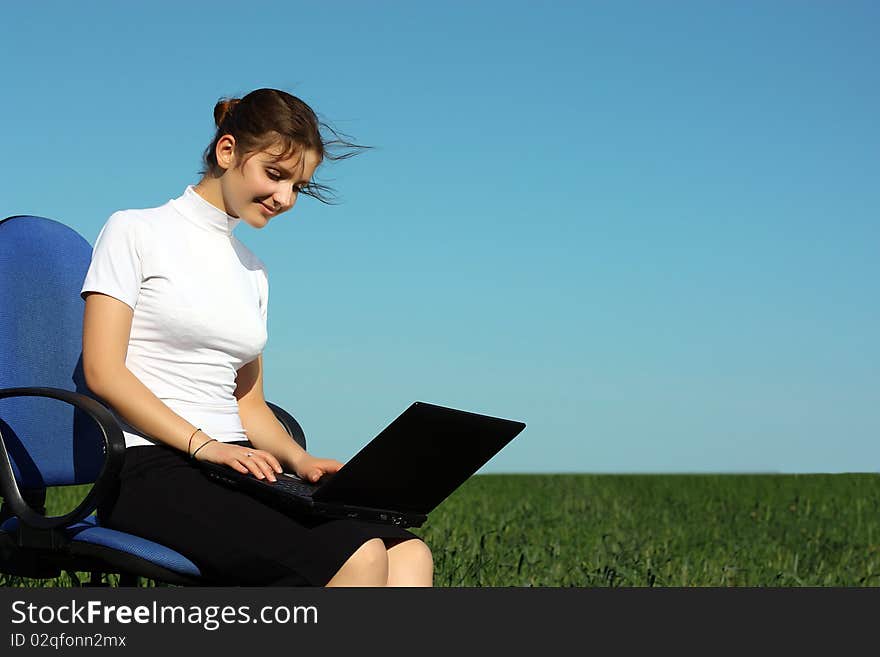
274 175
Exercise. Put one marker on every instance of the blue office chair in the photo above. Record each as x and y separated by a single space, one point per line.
44 443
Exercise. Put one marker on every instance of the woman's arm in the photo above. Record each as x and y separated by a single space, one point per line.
106 332
265 432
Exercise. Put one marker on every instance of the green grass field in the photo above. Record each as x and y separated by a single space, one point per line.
646 530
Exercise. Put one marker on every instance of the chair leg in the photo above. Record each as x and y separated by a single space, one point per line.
127 579
96 579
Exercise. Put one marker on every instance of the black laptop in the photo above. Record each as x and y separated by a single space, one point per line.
405 472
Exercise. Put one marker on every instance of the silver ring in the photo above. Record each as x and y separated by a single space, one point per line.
249 454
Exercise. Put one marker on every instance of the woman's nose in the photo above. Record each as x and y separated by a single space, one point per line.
283 196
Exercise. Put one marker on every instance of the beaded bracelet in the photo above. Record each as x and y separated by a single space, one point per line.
213 440
189 444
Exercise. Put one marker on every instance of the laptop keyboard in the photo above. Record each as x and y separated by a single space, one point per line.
293 486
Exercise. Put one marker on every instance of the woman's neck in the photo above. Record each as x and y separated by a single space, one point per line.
209 189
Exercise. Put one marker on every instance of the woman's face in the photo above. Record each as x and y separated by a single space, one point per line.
262 188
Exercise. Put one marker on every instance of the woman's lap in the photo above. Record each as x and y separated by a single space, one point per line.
232 537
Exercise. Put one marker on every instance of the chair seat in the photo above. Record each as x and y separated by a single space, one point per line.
89 531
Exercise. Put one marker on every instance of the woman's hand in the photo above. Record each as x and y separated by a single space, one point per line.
310 468
260 463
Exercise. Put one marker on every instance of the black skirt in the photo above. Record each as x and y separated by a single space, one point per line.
233 538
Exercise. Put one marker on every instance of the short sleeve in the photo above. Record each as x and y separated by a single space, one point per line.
116 267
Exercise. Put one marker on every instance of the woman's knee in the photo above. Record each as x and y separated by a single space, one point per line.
370 560
411 563
414 552
417 551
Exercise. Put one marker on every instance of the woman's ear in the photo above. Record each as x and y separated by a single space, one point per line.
225 152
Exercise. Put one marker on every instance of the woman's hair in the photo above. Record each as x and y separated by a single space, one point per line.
268 116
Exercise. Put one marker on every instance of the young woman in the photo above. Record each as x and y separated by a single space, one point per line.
173 334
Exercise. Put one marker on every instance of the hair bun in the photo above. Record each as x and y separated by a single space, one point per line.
223 109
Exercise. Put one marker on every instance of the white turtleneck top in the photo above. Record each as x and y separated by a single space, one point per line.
199 298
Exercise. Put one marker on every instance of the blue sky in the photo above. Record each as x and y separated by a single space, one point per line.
647 230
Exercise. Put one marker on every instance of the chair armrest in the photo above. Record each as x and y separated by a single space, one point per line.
114 453
289 423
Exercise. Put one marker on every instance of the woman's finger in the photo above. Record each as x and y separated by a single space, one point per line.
273 462
236 465
256 464
265 461
267 457
331 465
265 468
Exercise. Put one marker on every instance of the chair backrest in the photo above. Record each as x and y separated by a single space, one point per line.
42 267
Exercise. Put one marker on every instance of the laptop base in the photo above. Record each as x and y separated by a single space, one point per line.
301 505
